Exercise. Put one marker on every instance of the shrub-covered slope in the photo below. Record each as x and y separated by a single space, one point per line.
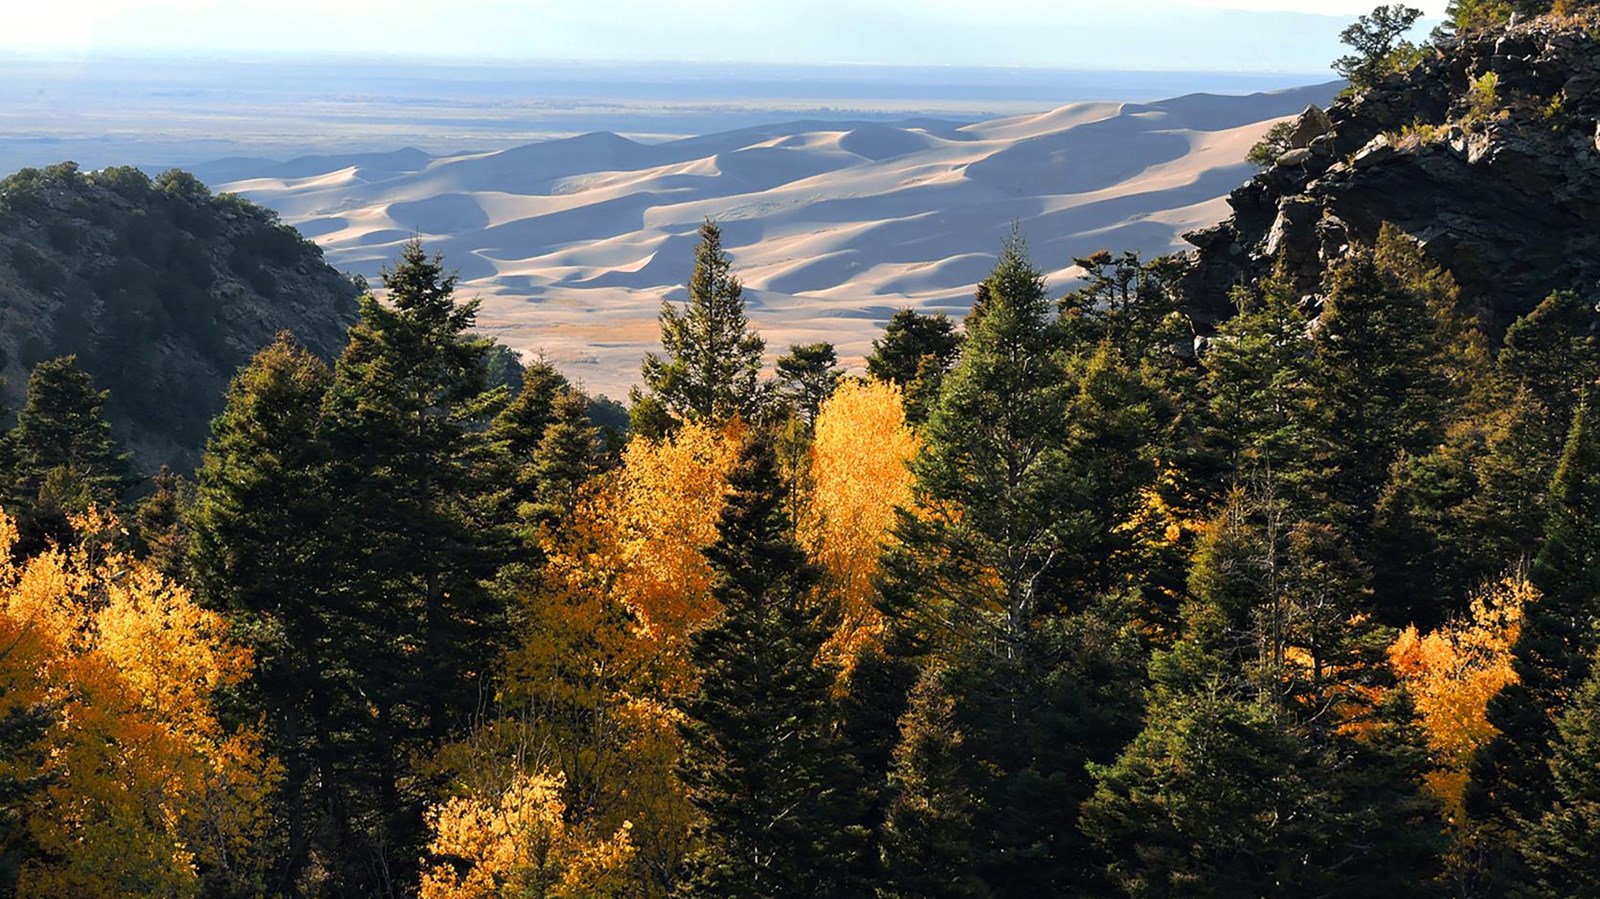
161 289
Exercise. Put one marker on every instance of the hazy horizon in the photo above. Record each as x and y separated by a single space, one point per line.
1078 35
182 112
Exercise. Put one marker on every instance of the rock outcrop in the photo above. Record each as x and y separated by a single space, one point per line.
1487 154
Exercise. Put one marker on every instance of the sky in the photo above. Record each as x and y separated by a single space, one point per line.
1183 35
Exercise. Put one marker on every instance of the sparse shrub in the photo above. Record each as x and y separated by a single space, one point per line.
1274 144
1483 97
1415 134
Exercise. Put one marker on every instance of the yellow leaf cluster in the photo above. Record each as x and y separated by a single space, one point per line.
603 659
661 509
859 476
516 842
1453 673
145 786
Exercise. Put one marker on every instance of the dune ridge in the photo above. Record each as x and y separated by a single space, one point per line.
572 244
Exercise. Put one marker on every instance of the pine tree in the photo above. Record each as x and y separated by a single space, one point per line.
713 358
762 760
992 762
930 828
404 421
1120 424
807 376
1257 387
65 457
1563 847
1511 785
515 434
507 454
259 552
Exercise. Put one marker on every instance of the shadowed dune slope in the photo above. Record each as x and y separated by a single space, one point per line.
574 243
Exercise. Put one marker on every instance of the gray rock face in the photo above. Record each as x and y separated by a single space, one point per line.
1312 124
1507 198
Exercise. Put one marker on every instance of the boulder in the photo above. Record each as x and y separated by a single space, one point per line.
1312 124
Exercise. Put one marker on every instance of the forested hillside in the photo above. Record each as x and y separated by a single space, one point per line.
160 289
1066 599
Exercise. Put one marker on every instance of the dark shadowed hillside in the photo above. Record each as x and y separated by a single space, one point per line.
161 289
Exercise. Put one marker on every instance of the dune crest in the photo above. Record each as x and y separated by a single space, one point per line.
572 244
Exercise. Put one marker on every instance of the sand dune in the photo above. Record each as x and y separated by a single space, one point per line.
572 244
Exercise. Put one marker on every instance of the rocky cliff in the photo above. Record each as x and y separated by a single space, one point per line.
1487 153
162 291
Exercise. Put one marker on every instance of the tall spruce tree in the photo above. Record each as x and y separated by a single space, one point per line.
991 766
762 758
259 552
712 362
404 421
567 456
1377 383
507 454
1511 786
1554 352
978 589
65 458
993 476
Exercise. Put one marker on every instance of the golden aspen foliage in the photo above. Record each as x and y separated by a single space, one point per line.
602 660
859 476
661 508
1453 673
147 791
515 841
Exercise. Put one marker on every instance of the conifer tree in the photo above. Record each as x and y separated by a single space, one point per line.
914 352
990 770
64 455
1554 353
927 842
712 358
979 584
1257 387
508 453
1265 764
515 433
1377 385
762 760
1511 786
260 553
992 477
568 455
404 421
1563 847
807 376
1120 422
160 535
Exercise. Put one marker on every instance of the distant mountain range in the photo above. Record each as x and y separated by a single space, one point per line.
573 243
